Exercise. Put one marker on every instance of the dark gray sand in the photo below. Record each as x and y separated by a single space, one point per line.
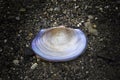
20 21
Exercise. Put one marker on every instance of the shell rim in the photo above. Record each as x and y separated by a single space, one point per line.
58 60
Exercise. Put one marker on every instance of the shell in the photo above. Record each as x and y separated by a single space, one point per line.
59 43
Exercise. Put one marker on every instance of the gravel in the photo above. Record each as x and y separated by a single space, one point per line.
16 62
34 66
21 20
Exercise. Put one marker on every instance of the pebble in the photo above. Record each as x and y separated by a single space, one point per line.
80 61
22 10
87 72
107 7
51 9
17 18
21 77
76 7
13 68
101 39
54 74
82 67
96 18
0 78
90 28
56 9
79 24
18 35
27 45
5 40
90 17
55 24
29 36
91 60
116 8
94 26
16 62
34 66
0 49
101 9
11 48
21 58
20 31
82 21
38 59
26 77
65 12
93 31
88 20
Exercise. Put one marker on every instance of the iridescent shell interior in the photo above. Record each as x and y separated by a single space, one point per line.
59 43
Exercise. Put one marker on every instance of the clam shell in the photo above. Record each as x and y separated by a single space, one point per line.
59 43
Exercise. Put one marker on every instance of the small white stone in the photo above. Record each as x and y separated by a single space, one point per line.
17 18
96 18
87 72
11 48
51 9
55 24
101 39
51 72
18 35
27 45
20 31
21 58
38 59
101 9
0 49
5 40
26 77
13 68
116 8
16 62
82 67
82 21
79 24
34 66
76 7
90 17
56 9
106 6
80 61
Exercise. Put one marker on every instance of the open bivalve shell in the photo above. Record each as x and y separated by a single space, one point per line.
59 43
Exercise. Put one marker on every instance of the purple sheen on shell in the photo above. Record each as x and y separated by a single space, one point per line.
59 43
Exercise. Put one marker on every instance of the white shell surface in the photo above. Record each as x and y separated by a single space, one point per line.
59 43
